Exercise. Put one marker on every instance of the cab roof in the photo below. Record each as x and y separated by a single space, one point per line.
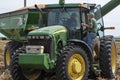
66 5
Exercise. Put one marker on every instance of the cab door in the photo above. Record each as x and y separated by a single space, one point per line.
84 19
100 23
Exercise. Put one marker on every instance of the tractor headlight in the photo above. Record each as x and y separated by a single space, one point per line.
29 37
33 37
42 37
39 37
47 37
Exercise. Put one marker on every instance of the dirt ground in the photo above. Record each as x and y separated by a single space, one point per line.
5 74
118 60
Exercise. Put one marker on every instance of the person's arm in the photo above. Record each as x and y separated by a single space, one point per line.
87 25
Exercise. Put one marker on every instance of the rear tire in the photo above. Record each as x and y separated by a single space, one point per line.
107 57
72 64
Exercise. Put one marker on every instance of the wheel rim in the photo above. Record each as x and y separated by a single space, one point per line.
8 57
31 74
76 67
113 56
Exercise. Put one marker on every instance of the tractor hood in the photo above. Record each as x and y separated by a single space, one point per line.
50 30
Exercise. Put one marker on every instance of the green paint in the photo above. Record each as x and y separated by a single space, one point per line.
47 30
14 24
59 6
109 6
58 33
36 61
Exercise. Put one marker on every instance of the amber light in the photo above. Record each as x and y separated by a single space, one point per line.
31 28
80 5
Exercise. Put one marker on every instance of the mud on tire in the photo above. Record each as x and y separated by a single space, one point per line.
9 50
15 69
72 64
18 73
107 57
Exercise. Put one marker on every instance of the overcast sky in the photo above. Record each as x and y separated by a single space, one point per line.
111 19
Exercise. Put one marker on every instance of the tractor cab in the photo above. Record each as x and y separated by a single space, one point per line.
70 17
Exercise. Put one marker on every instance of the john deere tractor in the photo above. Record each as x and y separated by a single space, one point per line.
55 50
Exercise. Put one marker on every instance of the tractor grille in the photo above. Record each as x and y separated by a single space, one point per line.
45 41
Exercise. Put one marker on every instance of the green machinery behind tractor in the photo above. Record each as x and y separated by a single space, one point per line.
44 46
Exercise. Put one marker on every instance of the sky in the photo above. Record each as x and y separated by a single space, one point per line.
111 19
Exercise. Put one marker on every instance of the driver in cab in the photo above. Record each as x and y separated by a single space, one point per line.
72 22
92 29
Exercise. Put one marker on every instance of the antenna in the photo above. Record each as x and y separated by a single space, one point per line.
25 2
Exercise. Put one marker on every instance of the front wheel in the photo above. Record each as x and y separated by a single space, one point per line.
73 64
9 51
20 73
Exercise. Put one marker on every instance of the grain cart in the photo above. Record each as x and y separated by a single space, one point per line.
15 26
57 52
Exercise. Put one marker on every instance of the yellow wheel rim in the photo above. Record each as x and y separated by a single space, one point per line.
113 58
76 67
8 57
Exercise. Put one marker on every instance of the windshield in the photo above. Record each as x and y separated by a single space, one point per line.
68 17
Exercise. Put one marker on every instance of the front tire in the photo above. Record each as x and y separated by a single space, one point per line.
9 50
108 57
72 64
19 73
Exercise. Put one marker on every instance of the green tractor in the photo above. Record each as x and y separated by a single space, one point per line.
57 51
